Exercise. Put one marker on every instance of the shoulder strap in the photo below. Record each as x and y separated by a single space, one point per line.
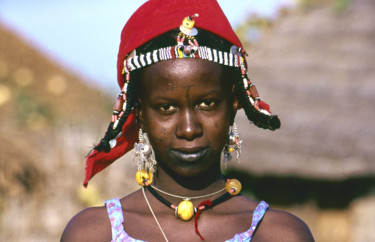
258 214
116 217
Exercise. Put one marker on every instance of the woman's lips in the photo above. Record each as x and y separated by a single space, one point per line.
189 156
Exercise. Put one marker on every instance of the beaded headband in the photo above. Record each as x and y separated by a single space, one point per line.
174 52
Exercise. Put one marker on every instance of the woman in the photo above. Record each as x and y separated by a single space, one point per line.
183 77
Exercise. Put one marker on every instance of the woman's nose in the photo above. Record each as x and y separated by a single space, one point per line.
189 126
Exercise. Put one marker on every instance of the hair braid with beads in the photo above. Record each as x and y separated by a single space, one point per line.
259 119
111 133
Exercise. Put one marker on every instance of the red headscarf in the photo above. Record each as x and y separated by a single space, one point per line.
156 17
152 19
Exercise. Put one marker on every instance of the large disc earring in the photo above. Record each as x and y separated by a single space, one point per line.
145 159
233 145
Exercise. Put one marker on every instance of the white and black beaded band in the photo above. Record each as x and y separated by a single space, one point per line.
174 52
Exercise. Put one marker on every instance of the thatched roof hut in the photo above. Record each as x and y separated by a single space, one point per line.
317 71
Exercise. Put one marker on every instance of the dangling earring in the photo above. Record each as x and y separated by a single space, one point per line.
233 144
145 159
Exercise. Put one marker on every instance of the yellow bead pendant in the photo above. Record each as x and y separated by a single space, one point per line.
143 175
233 185
185 210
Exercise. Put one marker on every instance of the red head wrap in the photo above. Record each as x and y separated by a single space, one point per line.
156 17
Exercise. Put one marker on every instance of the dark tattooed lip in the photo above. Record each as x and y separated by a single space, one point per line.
189 156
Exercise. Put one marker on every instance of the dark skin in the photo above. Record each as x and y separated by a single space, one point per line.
187 107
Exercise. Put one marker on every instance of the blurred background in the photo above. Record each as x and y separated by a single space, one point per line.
313 61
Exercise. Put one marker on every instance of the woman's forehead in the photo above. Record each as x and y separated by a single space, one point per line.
184 67
180 71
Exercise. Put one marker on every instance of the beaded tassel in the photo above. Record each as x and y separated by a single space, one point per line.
233 144
120 105
145 159
250 88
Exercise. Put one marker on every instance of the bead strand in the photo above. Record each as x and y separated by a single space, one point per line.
121 102
185 209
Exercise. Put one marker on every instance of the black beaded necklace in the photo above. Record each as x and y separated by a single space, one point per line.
185 209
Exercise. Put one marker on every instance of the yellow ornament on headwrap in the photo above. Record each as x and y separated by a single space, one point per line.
187 26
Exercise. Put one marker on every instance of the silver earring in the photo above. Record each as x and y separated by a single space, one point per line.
143 153
233 145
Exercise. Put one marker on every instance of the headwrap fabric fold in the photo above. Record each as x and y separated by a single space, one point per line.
98 160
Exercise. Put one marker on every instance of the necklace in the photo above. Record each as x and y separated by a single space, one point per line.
153 214
185 209
186 198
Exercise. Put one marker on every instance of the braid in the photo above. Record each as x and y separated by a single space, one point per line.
111 132
261 120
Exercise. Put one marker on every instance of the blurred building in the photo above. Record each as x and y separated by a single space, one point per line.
315 66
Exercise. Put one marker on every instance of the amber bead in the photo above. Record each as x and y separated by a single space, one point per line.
143 175
254 91
119 103
185 210
233 184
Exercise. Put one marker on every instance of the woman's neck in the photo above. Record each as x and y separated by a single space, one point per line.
189 186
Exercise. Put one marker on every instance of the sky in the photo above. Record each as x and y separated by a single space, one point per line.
84 35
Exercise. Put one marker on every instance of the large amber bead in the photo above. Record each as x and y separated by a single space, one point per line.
185 210
143 175
233 184
119 103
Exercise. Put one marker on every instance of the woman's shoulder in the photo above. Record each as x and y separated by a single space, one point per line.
276 225
280 225
91 224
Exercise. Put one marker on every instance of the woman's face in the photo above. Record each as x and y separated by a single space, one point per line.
186 109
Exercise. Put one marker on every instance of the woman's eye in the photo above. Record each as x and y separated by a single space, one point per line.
167 108
206 105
